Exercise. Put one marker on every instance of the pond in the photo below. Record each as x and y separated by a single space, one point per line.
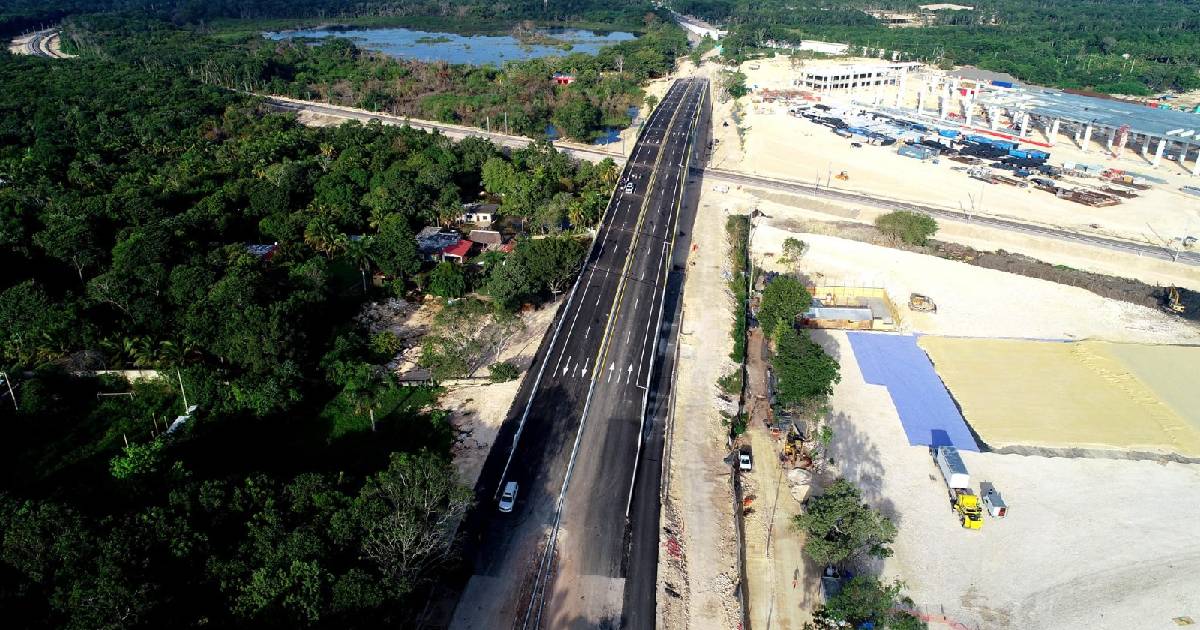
469 49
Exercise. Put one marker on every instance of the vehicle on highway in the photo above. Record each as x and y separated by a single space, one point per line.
629 188
744 462
856 145
509 498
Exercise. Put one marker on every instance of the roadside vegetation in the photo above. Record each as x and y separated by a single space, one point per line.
912 228
1109 47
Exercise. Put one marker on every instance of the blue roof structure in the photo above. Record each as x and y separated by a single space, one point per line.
927 413
1099 111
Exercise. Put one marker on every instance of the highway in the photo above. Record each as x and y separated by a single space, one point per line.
38 44
574 438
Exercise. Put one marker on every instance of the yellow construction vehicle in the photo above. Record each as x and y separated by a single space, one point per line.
918 302
1174 301
844 176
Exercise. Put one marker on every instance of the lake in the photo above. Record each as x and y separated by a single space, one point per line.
469 49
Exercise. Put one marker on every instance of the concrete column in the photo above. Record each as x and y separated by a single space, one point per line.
1053 132
969 110
1196 166
993 118
1112 135
900 89
1025 124
1087 138
944 106
921 100
1124 142
1158 153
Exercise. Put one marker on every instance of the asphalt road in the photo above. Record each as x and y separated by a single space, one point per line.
596 363
1129 247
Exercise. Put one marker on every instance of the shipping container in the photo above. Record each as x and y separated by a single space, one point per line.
1003 84
948 133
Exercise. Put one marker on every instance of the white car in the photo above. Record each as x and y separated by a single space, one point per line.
509 498
629 188
744 461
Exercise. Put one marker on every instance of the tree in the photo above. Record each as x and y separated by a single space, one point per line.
862 600
840 526
448 280
913 228
358 252
408 514
323 236
577 118
137 460
793 250
784 298
802 369
394 248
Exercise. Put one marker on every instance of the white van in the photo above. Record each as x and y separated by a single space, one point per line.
509 498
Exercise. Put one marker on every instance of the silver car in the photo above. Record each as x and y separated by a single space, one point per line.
509 497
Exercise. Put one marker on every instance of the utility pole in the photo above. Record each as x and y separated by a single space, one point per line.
506 123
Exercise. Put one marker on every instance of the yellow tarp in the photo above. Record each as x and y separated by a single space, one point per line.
1085 394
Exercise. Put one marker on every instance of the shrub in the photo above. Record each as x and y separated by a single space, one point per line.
502 372
731 383
913 228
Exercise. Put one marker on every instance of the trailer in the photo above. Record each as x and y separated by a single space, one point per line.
995 505
963 502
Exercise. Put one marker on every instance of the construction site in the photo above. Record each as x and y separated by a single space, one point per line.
986 147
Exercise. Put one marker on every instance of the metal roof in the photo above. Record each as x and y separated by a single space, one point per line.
843 313
1100 111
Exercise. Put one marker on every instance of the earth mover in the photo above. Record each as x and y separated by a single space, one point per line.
918 302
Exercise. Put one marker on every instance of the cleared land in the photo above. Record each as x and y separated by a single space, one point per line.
1072 395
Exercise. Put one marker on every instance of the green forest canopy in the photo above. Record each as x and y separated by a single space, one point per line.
129 197
1069 44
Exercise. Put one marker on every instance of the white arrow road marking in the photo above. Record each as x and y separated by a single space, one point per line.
628 373
611 367
585 369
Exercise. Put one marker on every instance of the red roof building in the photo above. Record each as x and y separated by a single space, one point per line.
563 79
458 251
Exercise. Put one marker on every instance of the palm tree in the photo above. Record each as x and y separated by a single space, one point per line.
323 236
358 252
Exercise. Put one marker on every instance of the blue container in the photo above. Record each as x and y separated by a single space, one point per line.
1024 155
979 139
1003 84
1035 154
948 133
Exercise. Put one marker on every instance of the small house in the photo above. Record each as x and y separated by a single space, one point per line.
482 214
263 252
431 241
458 252
561 78
486 239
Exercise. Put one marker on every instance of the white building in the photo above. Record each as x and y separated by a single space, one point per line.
854 76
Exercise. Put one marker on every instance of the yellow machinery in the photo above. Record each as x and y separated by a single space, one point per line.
844 176
918 302
1174 301
970 513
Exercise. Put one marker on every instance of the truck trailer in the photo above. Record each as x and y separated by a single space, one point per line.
963 502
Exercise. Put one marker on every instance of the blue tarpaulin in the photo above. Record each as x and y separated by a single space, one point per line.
926 410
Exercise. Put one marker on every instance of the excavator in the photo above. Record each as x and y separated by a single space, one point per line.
1175 301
